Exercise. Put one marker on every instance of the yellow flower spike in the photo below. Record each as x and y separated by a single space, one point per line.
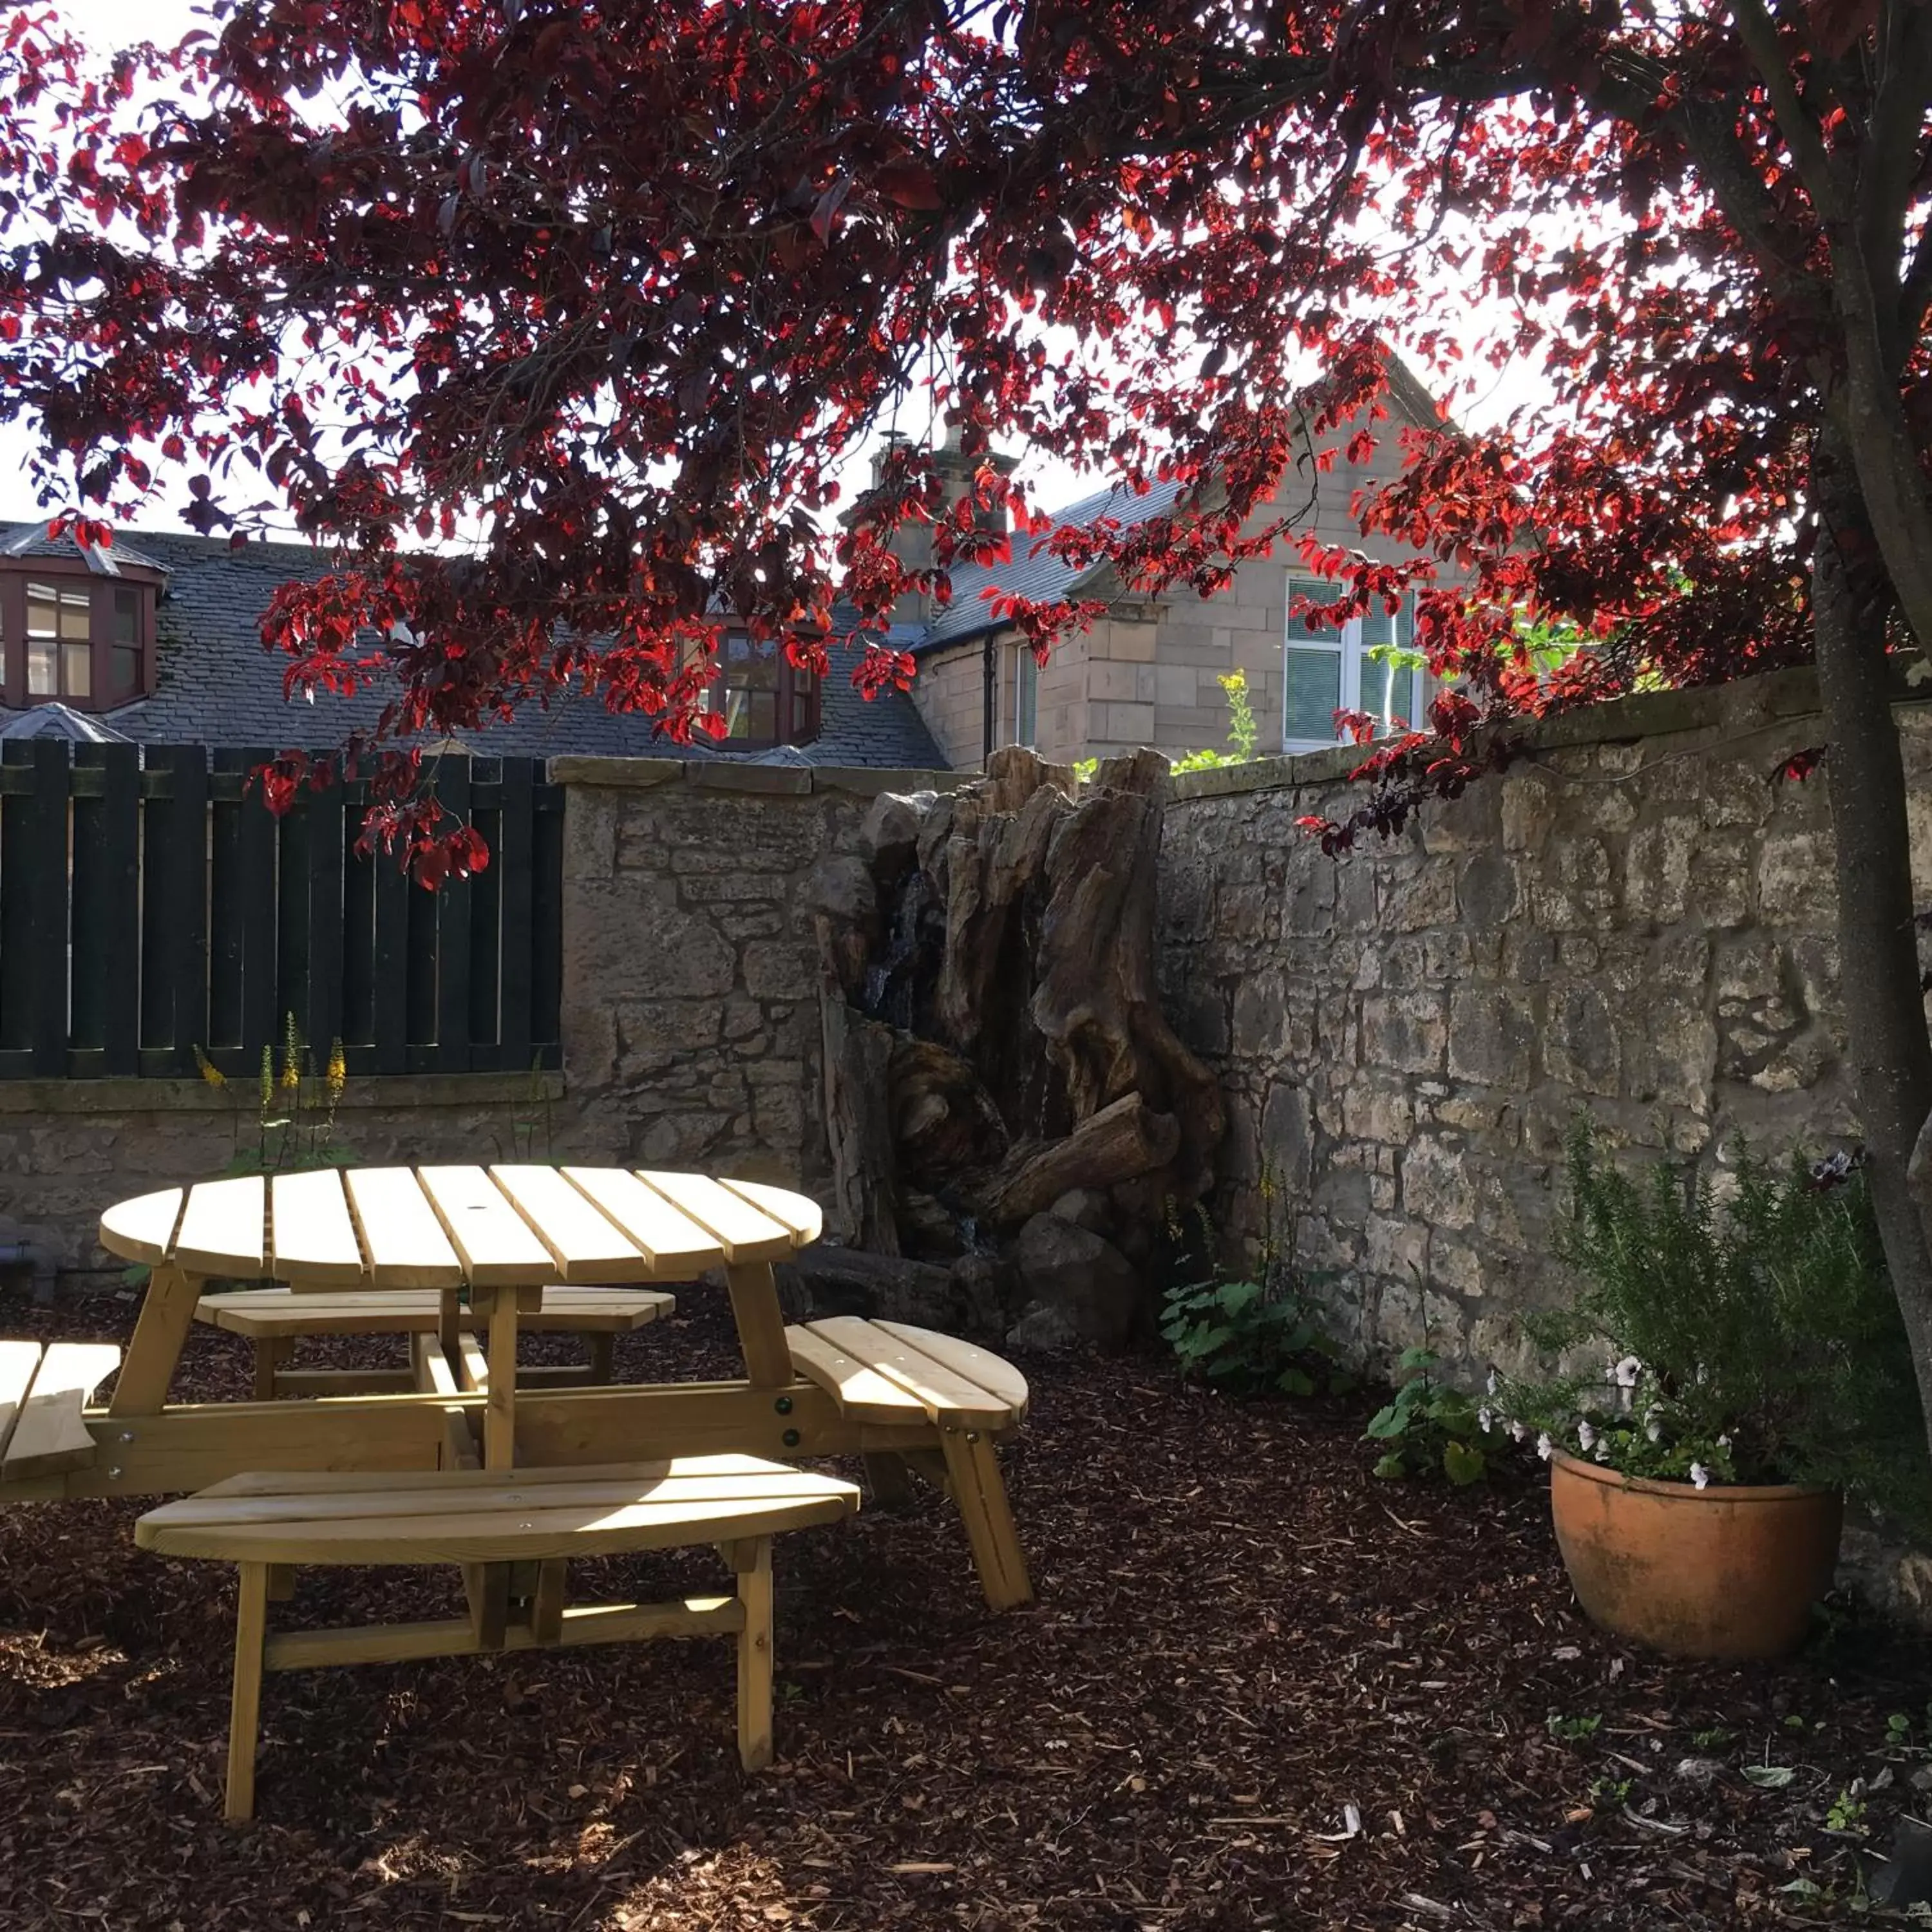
338 1070
211 1073
268 1077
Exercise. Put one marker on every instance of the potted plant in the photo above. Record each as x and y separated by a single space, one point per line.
1744 1365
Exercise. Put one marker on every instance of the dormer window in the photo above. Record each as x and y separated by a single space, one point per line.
77 629
767 701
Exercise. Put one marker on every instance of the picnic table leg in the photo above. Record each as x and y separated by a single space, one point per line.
752 1560
244 1711
600 1351
890 1479
499 1414
755 1306
167 1313
980 1492
270 1352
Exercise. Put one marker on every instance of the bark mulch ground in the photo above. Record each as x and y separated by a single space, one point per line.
1260 1689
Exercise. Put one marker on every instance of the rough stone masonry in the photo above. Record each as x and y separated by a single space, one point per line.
1634 920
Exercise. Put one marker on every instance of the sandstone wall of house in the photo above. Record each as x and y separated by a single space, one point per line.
1632 922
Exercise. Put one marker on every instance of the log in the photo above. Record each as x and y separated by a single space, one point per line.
944 1122
1121 1140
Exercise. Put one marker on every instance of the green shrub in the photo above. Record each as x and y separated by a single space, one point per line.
1427 1425
1261 1332
1754 1339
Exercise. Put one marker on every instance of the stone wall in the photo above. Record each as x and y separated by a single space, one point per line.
691 975
690 1017
68 1148
1633 921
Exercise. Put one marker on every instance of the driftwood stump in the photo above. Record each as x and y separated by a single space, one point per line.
994 1041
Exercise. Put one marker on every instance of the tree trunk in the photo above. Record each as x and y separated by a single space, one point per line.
858 1122
1885 1010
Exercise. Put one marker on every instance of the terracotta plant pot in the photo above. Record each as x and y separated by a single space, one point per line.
1718 1573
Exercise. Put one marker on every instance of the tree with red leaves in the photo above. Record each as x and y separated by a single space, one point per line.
555 323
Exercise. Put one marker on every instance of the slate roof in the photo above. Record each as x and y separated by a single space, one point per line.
218 686
1033 571
32 540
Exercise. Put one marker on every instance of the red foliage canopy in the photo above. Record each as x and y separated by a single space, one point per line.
592 301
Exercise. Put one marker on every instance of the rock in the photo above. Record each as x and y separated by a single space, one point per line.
1085 1207
889 837
1088 1280
1902 1877
1045 1328
843 905
979 1284
927 1228
826 1280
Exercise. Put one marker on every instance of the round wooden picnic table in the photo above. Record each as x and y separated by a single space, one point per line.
496 1236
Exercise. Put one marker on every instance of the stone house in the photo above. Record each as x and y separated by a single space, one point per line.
1147 672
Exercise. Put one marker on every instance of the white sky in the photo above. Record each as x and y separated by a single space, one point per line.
112 24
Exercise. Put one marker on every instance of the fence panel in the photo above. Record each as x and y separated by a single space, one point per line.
152 909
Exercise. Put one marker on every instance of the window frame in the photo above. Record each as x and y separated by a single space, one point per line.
1026 697
15 573
797 699
1347 645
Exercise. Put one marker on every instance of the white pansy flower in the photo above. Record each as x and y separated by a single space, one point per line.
1491 1385
1700 1476
1485 1418
1652 1427
1723 1442
1517 1431
1544 1447
1586 1435
1627 1371
1603 1452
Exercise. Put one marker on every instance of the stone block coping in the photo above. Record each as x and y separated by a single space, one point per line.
129 1094
762 781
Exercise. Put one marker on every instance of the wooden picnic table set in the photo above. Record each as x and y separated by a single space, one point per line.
461 1456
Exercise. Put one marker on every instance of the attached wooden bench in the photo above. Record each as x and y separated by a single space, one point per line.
541 1516
275 1319
43 1390
892 1374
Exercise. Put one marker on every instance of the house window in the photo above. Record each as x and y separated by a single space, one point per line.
72 637
766 700
1026 698
1354 669
60 640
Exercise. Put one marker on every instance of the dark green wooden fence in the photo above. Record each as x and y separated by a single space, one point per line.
150 904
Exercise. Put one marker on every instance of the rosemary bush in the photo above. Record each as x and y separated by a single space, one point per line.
1752 1340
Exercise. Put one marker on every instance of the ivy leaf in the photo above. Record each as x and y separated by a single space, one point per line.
1768 1776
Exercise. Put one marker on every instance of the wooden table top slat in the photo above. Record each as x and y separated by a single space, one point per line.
801 1215
143 1229
516 1225
586 1246
405 1244
498 1247
310 1232
223 1228
677 1246
743 1233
